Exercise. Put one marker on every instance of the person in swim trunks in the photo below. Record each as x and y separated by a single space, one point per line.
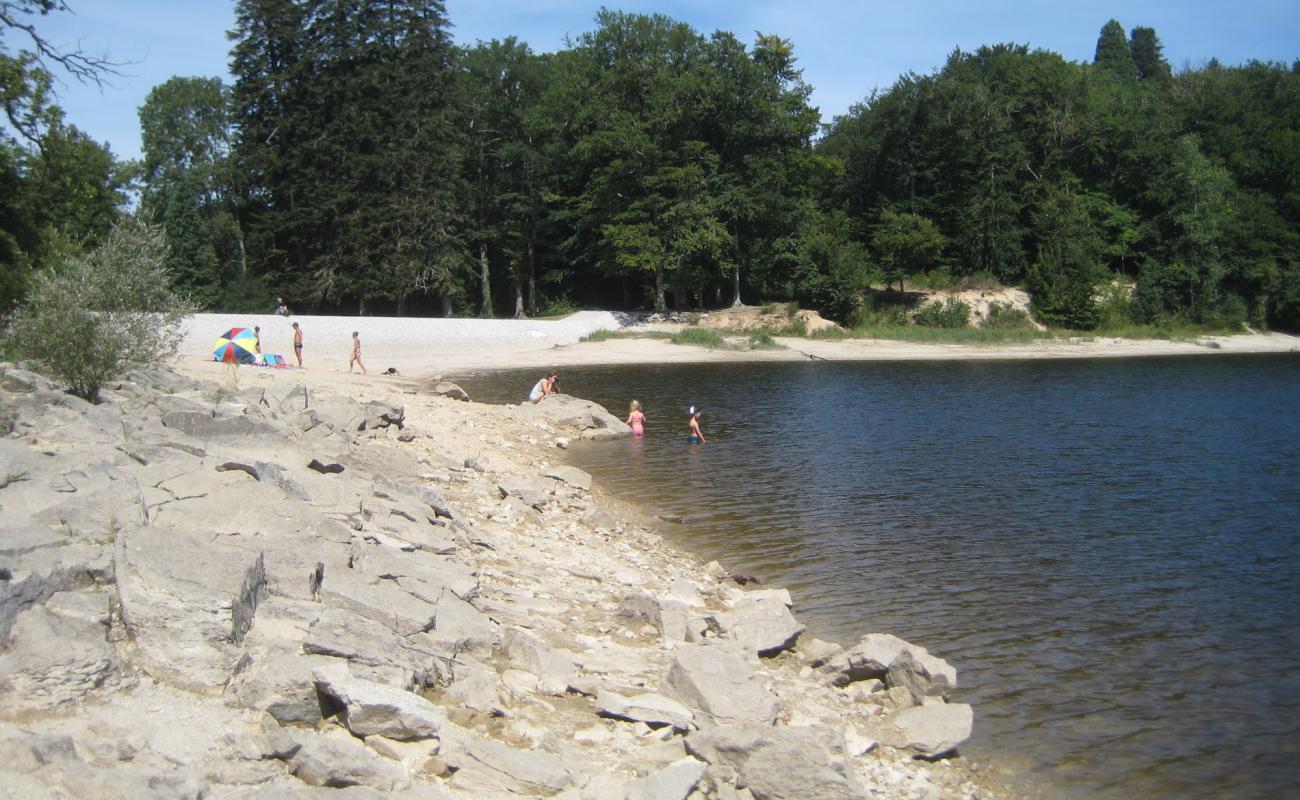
297 343
696 435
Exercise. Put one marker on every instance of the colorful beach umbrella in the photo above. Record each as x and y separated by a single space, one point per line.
236 346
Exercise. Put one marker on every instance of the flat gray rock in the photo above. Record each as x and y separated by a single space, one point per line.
530 773
369 708
570 475
929 730
674 782
339 763
650 708
721 686
785 762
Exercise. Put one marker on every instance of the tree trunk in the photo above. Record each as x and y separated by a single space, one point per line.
446 305
401 305
735 284
660 306
532 280
485 284
519 300
361 306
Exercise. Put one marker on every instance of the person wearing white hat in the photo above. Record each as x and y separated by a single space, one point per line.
696 436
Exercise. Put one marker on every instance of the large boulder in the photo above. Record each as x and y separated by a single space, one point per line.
921 674
763 624
369 708
785 762
930 730
721 686
587 419
886 657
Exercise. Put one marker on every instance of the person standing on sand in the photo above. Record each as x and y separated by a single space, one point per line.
280 308
543 387
257 340
636 419
696 436
297 343
356 354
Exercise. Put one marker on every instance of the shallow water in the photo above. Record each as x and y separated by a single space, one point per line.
1108 551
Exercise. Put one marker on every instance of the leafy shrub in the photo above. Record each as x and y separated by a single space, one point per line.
558 307
1006 317
103 312
1115 308
952 313
706 337
762 340
601 335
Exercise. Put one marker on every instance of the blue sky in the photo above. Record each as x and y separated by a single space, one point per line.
845 48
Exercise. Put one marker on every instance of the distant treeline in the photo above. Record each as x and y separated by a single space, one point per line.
363 163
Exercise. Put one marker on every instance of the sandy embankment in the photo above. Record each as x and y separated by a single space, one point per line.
420 348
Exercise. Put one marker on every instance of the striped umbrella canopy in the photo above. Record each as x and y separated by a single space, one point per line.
236 346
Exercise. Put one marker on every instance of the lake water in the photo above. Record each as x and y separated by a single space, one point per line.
1108 551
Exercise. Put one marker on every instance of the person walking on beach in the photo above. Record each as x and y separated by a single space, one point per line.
636 419
696 435
356 354
543 387
297 343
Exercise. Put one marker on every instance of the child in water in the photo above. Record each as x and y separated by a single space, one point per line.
696 436
636 419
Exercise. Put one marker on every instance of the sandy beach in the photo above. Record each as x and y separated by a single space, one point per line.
427 348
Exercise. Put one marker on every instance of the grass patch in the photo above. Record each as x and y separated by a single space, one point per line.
603 335
926 335
762 340
703 337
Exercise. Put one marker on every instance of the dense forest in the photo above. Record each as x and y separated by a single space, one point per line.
361 162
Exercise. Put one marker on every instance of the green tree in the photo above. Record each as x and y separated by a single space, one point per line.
1148 55
187 186
348 138
1113 54
1065 274
904 245
103 312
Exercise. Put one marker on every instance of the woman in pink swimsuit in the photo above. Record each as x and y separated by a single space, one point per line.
636 419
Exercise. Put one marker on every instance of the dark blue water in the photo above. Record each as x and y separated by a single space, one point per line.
1108 551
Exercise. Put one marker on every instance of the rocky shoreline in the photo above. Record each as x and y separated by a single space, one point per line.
275 591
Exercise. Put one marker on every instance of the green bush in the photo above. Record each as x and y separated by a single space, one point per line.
762 340
102 313
706 337
1005 317
795 327
950 314
558 307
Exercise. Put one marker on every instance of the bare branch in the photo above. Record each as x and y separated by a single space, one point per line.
83 66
